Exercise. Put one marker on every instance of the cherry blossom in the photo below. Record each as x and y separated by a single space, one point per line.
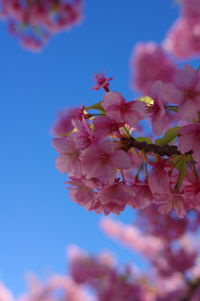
69 160
150 63
34 22
190 139
121 111
102 161
111 167
184 91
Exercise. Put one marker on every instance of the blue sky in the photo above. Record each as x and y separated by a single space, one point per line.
37 218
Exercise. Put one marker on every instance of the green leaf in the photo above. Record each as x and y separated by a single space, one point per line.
96 106
168 136
144 139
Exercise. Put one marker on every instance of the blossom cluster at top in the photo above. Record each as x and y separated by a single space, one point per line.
183 39
110 166
33 22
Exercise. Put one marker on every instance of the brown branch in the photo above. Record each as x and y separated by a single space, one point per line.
166 150
193 286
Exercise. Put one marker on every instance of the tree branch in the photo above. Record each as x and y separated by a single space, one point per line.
193 286
166 150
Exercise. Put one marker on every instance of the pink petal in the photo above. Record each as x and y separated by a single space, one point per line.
121 160
112 98
185 143
60 144
172 94
159 181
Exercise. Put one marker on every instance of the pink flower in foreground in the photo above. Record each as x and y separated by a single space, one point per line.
84 135
102 161
82 191
183 39
113 198
149 64
173 201
144 197
69 160
192 187
156 111
185 91
158 178
104 126
190 140
118 109
102 82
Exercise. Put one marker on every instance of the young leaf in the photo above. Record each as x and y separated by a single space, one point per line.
145 139
168 136
96 106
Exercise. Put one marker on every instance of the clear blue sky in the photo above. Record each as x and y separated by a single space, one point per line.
37 218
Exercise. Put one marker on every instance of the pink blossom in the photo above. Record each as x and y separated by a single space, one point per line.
83 192
173 201
5 295
63 125
190 140
84 134
185 91
191 10
168 227
113 198
69 160
34 22
149 64
192 187
144 196
102 160
56 286
104 126
106 281
118 109
102 82
183 39
156 111
132 237
158 178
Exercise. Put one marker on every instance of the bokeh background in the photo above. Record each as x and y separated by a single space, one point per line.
37 218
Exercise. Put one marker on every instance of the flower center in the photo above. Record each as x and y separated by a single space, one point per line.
105 158
190 93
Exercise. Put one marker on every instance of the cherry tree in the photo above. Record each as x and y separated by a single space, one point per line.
112 162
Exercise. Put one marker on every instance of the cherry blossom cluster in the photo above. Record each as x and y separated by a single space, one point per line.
111 166
151 61
183 39
172 252
57 288
33 21
168 246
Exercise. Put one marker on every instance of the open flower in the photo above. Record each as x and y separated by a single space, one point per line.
102 160
118 109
